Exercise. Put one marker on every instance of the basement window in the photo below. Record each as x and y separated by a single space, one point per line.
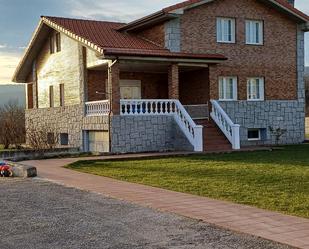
254 134
64 138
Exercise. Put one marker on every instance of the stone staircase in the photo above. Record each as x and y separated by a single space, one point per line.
213 138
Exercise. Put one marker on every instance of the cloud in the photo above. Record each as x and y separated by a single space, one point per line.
3 46
121 10
8 63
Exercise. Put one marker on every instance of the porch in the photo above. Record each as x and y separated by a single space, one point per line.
180 91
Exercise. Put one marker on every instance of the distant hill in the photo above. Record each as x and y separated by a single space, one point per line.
13 92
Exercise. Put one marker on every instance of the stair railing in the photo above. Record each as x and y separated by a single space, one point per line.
172 107
226 125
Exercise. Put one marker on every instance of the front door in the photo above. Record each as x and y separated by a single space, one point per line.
130 89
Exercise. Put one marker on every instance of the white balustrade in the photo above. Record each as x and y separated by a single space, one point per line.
230 130
97 108
143 107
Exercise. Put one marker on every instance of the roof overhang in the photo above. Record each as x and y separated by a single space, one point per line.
163 57
147 21
296 15
36 43
178 9
25 65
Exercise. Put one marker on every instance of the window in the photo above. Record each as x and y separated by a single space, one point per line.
51 140
254 32
58 42
228 88
254 134
255 89
51 96
64 138
52 44
61 94
226 30
55 43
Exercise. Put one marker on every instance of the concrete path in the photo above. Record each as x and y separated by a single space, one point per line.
274 226
51 216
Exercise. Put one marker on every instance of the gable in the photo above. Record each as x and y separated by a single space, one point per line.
178 9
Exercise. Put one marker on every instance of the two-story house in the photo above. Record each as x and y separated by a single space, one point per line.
199 75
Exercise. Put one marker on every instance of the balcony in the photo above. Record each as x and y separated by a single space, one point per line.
97 108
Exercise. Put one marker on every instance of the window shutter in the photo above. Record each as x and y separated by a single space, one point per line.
262 89
232 30
235 94
219 29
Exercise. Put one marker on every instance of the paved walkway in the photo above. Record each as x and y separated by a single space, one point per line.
285 229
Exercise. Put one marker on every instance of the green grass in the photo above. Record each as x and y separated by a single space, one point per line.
277 180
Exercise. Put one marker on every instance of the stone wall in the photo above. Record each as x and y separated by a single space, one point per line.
287 115
69 119
62 67
307 125
173 35
147 134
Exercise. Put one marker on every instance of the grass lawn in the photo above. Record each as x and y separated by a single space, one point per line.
277 180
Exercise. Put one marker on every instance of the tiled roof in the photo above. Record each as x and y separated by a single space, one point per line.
113 42
103 34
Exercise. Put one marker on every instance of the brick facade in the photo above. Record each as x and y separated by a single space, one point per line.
173 81
194 87
97 82
277 65
154 34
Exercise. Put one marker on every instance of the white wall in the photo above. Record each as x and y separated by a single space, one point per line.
13 92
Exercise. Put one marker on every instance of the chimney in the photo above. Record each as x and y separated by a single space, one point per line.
292 2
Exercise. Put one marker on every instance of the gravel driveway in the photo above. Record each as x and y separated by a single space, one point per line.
39 214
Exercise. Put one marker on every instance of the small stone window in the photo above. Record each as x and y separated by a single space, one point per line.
64 139
254 134
55 43
51 140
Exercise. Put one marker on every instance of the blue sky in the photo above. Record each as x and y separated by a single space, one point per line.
18 19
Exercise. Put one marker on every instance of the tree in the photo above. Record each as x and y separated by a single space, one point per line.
41 138
12 124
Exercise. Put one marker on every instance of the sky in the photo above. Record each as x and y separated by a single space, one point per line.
19 18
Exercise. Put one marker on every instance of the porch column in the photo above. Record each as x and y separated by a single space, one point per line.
173 81
114 87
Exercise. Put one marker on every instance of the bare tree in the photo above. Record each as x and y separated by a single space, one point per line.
41 138
12 124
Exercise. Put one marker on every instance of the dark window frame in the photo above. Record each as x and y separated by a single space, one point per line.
64 139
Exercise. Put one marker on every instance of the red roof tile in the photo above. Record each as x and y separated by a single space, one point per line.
102 34
106 36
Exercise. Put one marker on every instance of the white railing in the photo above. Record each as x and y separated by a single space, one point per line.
97 108
230 130
144 107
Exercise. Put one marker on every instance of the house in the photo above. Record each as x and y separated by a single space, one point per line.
12 93
199 75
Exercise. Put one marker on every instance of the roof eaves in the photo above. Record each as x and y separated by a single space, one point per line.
291 10
142 21
27 51
69 33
